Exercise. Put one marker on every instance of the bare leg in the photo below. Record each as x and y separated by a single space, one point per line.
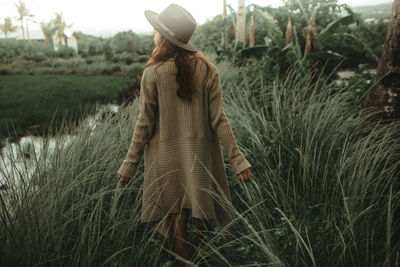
179 235
203 227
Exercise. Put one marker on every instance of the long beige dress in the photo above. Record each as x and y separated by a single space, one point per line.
183 163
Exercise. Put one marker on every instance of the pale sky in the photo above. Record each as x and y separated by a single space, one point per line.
99 17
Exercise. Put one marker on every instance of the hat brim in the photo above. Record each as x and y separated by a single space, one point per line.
151 17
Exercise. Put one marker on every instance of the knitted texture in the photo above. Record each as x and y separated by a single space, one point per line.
180 141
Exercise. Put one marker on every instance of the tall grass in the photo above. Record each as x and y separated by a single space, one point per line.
325 190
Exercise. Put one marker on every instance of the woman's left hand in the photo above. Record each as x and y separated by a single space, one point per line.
245 175
123 179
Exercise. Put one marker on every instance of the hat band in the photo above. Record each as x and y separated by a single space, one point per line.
168 30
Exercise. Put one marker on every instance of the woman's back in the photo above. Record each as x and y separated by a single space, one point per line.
179 118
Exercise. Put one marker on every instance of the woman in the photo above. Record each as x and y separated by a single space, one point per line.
180 124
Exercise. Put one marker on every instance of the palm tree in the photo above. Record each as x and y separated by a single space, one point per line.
241 22
22 13
60 26
7 26
48 31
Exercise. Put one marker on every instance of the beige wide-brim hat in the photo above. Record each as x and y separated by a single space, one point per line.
174 23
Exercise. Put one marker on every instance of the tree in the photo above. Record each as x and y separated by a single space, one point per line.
223 37
7 26
60 26
29 18
127 41
384 94
328 10
22 13
48 31
252 39
241 23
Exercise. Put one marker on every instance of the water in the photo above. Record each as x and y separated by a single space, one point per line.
18 160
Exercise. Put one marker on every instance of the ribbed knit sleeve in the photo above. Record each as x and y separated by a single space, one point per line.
222 128
148 108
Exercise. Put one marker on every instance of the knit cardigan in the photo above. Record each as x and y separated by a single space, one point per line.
180 141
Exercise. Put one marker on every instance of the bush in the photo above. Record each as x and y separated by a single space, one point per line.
358 86
65 52
143 58
126 58
127 41
10 49
89 61
50 52
4 71
34 56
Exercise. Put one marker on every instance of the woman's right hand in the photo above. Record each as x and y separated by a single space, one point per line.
123 180
245 175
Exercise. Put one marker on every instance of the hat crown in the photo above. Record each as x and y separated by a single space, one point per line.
178 22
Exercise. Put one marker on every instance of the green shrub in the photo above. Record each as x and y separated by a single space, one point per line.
89 60
143 58
115 68
34 56
358 86
10 49
65 52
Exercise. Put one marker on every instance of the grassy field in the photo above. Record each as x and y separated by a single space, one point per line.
36 100
325 190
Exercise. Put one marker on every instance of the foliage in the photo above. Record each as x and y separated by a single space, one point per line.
373 34
338 38
65 52
84 66
207 36
7 26
108 52
10 49
131 43
88 44
325 11
48 30
23 13
125 47
325 188
267 29
59 26
359 85
51 97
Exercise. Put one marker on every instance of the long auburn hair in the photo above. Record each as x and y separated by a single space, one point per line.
185 62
